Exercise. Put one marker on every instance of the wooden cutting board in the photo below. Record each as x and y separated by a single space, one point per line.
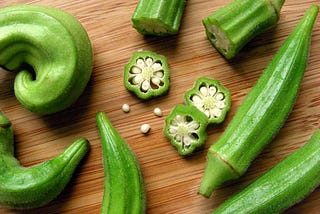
171 180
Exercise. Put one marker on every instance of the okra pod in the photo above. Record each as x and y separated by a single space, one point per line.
31 187
124 190
57 51
231 27
282 186
159 18
264 110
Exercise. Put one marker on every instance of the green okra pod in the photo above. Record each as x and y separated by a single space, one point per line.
231 27
263 111
52 52
282 186
159 18
124 190
30 187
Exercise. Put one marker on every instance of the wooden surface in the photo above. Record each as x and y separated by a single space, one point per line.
171 180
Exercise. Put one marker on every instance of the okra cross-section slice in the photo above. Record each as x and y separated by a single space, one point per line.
233 26
147 74
211 98
186 128
158 18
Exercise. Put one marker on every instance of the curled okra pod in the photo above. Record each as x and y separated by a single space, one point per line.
124 190
24 188
282 186
233 26
264 110
210 97
159 18
186 128
52 52
147 74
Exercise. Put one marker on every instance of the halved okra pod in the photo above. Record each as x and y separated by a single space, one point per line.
285 184
263 111
233 26
159 18
31 187
124 190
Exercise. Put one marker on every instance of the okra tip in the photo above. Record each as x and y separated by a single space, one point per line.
217 172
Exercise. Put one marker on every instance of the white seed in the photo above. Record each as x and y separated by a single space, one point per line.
125 108
135 70
145 128
145 86
219 96
156 80
156 66
149 61
204 91
212 90
157 112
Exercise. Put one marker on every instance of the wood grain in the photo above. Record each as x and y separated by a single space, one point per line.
171 181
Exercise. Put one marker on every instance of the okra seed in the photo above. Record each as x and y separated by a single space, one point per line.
145 128
204 91
212 90
219 96
125 108
157 112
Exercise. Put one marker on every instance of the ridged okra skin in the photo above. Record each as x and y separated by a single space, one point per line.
35 186
124 190
57 51
264 110
231 27
285 184
158 18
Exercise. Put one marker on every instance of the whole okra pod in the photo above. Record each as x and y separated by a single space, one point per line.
124 190
285 184
31 187
263 111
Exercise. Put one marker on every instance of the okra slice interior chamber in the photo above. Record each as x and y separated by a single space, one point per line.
210 97
147 74
282 186
185 127
159 18
234 25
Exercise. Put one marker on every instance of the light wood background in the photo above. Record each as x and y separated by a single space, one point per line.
171 180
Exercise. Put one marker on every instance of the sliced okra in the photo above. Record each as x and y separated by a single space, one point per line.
186 128
211 98
159 18
147 74
233 26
